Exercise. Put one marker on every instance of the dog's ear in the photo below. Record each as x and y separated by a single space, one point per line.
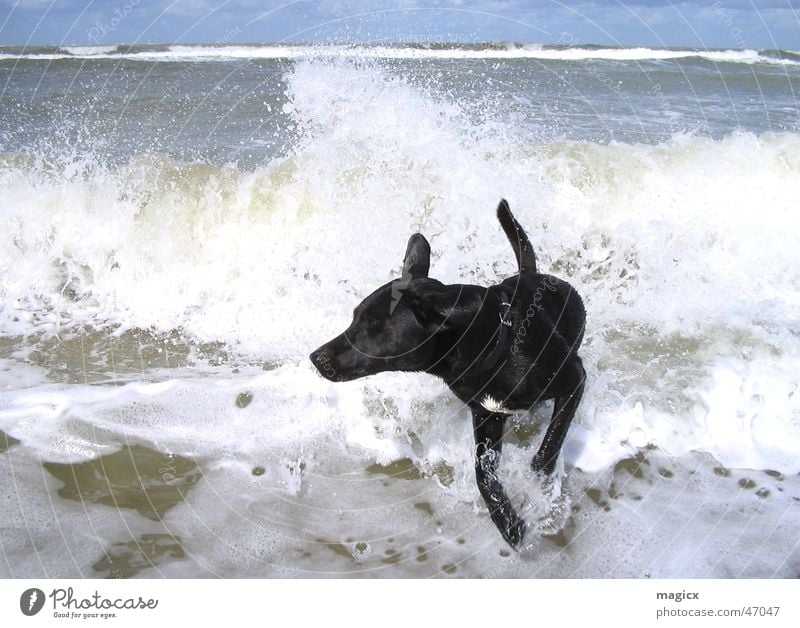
443 308
417 261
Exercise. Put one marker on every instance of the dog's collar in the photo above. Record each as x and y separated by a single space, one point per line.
501 333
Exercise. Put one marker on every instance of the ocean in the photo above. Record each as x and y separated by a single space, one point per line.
180 226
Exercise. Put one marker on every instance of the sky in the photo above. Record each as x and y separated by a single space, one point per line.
733 24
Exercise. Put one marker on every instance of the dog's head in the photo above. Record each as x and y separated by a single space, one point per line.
397 327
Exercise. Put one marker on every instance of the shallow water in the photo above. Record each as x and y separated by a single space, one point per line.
649 516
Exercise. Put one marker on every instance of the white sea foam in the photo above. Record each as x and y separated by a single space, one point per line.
684 251
668 518
89 51
179 53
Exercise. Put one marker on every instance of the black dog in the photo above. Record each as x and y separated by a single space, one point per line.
499 349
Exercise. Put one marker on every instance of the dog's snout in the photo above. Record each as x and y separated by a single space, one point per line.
318 356
324 363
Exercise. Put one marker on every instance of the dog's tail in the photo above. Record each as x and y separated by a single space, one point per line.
523 251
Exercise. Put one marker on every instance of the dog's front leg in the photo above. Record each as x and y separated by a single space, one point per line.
488 428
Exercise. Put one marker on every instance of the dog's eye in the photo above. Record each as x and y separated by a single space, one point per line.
365 321
372 323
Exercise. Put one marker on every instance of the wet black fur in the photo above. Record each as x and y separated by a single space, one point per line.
457 332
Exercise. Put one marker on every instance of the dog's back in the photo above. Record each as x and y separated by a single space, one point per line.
547 306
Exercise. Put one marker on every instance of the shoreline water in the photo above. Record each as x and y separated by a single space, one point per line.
164 537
